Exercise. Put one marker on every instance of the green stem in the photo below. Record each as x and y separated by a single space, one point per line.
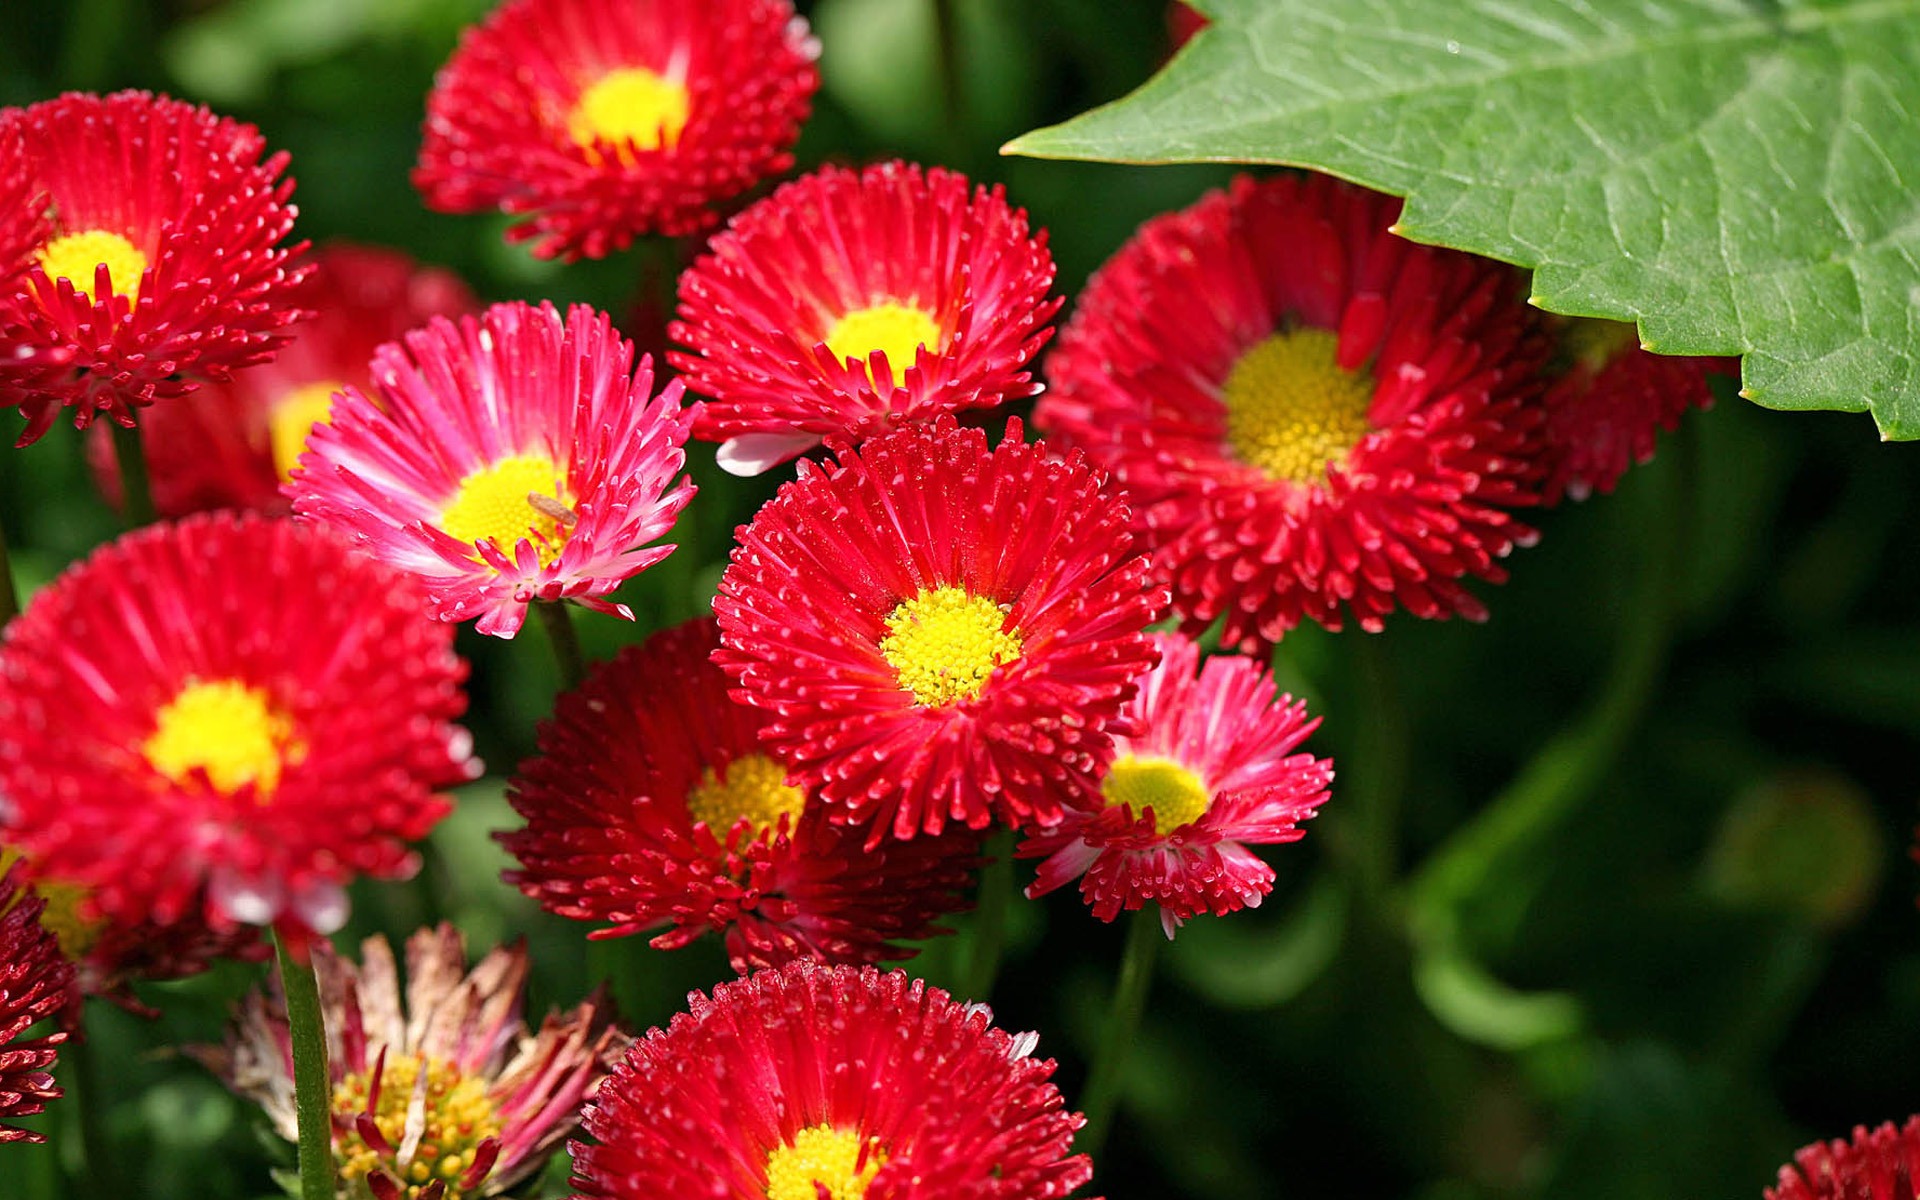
1380 775
9 599
311 1088
136 493
990 919
1572 766
95 1176
566 643
1105 1082
953 98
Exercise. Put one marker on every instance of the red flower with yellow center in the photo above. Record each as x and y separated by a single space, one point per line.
440 1093
156 260
811 1082
600 120
1878 1164
1612 400
653 804
267 715
1313 418
1209 770
35 982
848 302
233 444
938 632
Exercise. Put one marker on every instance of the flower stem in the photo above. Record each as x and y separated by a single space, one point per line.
9 599
566 643
310 1080
96 1173
990 919
136 494
1374 797
1104 1083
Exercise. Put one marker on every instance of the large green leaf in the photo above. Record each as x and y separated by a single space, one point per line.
1737 176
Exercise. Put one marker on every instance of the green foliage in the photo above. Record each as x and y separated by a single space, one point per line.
1737 177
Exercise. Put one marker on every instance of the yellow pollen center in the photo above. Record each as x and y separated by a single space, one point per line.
61 917
631 107
1292 409
1175 794
945 643
753 786
74 256
1596 342
494 504
458 1117
294 417
823 1155
896 330
227 729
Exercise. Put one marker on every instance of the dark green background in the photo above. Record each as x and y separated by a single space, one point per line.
1708 871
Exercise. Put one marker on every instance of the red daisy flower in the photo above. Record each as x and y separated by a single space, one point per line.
266 715
846 303
508 458
1879 1164
109 954
1209 772
445 1086
599 120
34 984
232 444
939 632
1604 412
157 260
653 804
811 1081
1313 416
1183 22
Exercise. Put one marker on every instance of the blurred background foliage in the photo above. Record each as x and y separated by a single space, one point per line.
1613 898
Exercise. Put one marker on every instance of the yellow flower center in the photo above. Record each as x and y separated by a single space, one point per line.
753 786
520 497
1595 342
820 1155
897 330
1175 794
61 916
74 256
945 643
1292 409
458 1117
227 729
631 107
294 417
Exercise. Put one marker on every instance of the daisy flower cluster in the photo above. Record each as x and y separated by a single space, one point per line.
1266 408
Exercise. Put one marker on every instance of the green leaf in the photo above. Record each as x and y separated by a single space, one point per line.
1737 176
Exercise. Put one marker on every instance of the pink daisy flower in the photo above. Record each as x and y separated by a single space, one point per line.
848 302
508 458
156 260
652 804
812 1082
232 444
34 985
599 120
940 632
1605 411
1878 1164
1209 771
440 1092
224 721
1313 417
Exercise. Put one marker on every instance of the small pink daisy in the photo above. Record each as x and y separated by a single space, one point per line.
1210 772
508 458
848 302
940 632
